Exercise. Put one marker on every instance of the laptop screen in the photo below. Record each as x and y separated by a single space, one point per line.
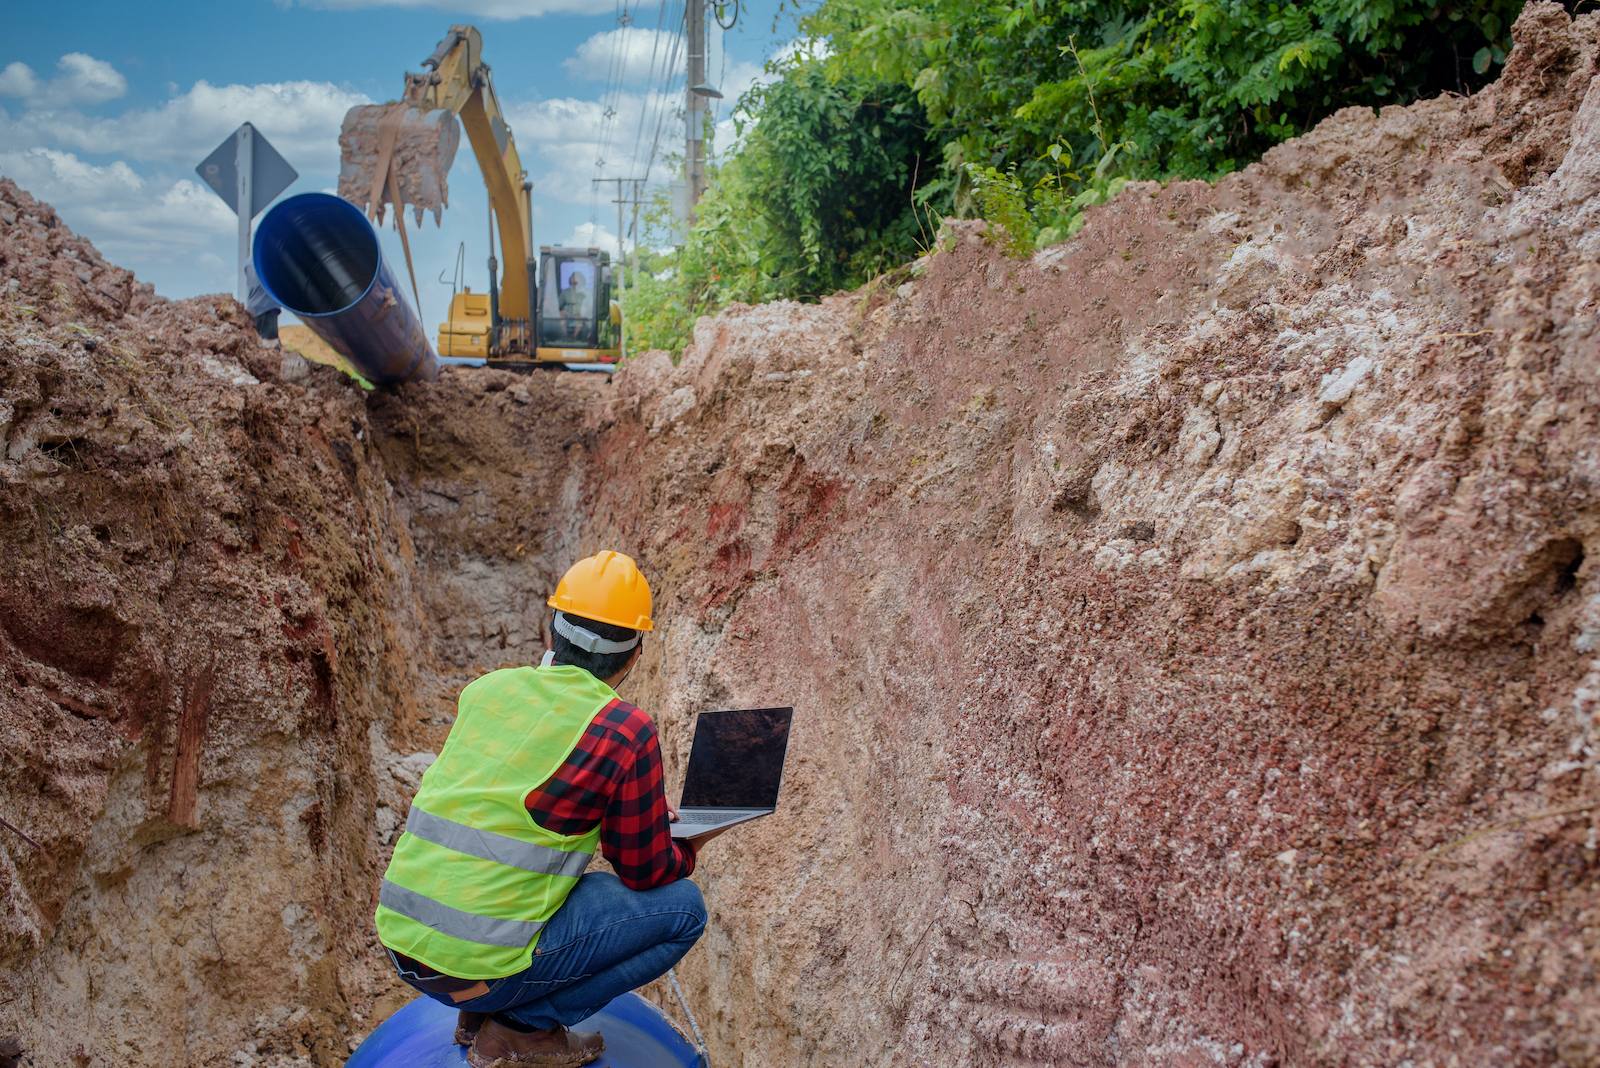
737 759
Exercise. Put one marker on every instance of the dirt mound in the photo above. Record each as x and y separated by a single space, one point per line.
199 618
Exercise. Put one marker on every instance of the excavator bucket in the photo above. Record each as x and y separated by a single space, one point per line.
422 147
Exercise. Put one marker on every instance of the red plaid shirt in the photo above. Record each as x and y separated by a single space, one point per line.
613 780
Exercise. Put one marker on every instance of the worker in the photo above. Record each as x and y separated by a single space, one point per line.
574 302
485 906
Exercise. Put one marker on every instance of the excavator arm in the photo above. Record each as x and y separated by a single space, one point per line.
457 80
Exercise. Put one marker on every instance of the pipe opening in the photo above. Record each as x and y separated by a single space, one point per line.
316 254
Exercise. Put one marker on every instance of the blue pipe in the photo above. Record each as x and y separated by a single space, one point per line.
318 256
422 1035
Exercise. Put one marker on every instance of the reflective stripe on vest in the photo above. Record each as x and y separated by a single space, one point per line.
474 879
467 926
529 856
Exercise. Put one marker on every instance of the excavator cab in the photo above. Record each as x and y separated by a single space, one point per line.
576 320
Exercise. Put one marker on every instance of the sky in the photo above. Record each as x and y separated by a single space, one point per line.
105 114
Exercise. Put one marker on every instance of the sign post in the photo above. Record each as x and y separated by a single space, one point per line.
248 174
245 163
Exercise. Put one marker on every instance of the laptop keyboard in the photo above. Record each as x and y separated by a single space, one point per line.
700 817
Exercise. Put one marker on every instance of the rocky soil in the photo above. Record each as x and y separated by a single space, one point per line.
1167 617
213 625
1192 630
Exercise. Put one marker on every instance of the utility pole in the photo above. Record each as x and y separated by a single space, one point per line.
635 232
694 14
634 228
622 255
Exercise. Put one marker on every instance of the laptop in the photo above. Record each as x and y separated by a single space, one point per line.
735 769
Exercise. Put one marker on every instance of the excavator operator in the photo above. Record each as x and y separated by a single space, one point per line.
485 906
574 304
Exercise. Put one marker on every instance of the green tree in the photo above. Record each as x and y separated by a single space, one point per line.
820 192
1201 86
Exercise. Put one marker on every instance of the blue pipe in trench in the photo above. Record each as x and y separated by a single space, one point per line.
422 1035
318 256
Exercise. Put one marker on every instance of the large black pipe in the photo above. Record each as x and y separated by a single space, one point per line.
319 257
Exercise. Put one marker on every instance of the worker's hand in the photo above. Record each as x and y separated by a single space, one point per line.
672 813
698 842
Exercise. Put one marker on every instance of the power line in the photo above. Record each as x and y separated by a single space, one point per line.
616 63
645 98
664 94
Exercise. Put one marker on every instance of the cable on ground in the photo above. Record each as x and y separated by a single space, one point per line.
700 1040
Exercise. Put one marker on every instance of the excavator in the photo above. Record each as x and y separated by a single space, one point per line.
556 311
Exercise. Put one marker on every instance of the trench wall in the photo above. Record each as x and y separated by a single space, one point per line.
204 605
234 611
1165 616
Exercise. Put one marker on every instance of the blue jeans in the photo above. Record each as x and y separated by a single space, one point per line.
603 941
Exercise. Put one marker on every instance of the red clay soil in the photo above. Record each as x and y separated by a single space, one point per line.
1164 616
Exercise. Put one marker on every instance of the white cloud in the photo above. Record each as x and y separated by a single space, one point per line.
565 136
488 9
630 55
594 235
301 120
143 207
83 80
127 182
68 173
18 79
560 139
128 217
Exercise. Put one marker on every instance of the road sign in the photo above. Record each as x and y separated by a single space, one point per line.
270 173
245 169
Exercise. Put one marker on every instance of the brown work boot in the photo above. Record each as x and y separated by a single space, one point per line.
467 1025
498 1046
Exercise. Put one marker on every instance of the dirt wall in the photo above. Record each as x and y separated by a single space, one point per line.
205 603
1161 615
238 596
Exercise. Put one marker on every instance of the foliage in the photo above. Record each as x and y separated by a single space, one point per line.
1004 204
655 312
1176 88
835 180
819 193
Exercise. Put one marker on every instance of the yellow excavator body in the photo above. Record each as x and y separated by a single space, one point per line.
465 331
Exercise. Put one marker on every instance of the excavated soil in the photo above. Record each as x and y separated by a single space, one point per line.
1192 630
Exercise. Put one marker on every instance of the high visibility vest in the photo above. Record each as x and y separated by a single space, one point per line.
473 878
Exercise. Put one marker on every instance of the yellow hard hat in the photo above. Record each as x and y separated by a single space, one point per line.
608 587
